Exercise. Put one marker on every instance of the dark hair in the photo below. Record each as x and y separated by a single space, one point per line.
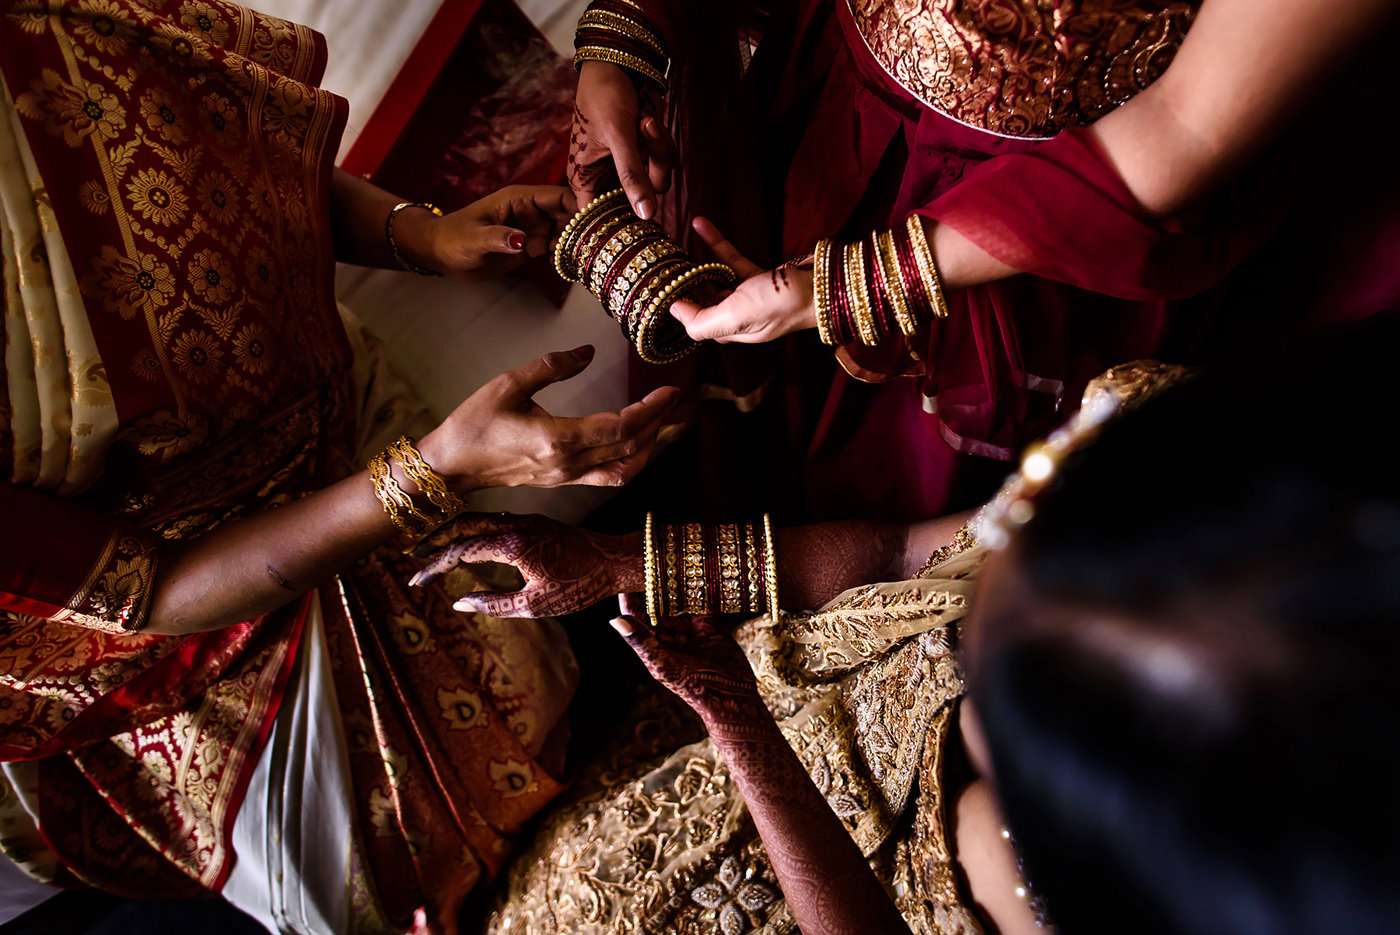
1192 691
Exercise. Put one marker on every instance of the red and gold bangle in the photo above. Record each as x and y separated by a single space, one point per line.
821 290
888 256
923 261
731 588
672 568
696 599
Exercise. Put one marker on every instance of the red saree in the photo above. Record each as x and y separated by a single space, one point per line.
833 144
176 360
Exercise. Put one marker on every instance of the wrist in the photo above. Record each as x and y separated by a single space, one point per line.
437 451
415 230
629 573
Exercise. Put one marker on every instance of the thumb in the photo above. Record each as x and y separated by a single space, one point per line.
497 238
528 379
705 324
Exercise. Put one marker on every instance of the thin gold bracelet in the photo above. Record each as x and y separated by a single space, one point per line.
821 290
770 570
888 257
928 270
649 567
399 258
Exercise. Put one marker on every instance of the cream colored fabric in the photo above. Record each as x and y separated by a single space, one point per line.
62 417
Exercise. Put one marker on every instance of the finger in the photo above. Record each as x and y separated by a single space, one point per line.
632 605
607 429
723 250
615 473
661 154
632 171
525 381
504 549
499 238
720 322
502 605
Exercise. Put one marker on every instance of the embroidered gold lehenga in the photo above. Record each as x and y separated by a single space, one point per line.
656 839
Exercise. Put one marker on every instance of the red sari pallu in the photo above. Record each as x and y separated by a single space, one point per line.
179 155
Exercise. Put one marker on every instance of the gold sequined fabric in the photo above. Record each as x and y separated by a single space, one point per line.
654 837
1023 68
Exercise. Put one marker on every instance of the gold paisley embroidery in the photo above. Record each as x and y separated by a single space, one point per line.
1023 68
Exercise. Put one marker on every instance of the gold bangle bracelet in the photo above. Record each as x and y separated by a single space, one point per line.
888 257
673 602
858 295
697 596
730 599
928 270
399 258
395 500
770 570
649 569
615 22
821 291
597 53
428 481
753 580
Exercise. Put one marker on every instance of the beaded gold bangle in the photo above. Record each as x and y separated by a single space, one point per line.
649 347
627 26
770 570
428 481
858 295
633 63
399 258
396 502
650 570
923 258
697 598
888 257
731 596
752 579
821 290
673 571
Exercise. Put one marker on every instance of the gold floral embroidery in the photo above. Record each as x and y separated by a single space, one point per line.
118 590
462 709
162 113
1023 68
130 287
158 197
74 112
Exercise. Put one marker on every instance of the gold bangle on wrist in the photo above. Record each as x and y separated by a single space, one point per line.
399 258
650 570
928 270
821 290
596 53
770 569
858 295
886 254
396 502
428 480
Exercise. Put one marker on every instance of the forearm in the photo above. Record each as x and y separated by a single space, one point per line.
359 211
818 562
827 882
251 566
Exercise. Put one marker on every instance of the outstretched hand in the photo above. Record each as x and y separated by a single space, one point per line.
767 305
566 569
500 437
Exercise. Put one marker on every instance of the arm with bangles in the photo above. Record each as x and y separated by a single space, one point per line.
497 437
1234 86
825 879
566 569
486 238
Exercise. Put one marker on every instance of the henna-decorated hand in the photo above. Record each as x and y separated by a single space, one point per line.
767 305
566 569
618 128
698 661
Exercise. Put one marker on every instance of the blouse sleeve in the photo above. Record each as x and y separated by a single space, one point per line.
63 561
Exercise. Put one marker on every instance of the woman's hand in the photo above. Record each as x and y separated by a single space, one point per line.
613 119
698 661
500 437
767 305
488 237
566 569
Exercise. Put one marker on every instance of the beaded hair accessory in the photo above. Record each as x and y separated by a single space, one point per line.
1118 390
636 271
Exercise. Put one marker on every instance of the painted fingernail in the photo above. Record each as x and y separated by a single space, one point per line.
466 604
643 207
621 625
517 241
415 580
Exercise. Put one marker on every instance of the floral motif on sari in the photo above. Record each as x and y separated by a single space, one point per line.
1023 68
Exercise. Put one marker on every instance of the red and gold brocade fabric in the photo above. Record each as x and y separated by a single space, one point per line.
185 156
1020 67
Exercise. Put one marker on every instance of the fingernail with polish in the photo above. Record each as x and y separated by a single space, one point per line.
644 209
466 604
415 580
621 625
517 241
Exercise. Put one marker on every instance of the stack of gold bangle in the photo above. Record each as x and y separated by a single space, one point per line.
876 288
636 272
617 32
411 517
691 568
